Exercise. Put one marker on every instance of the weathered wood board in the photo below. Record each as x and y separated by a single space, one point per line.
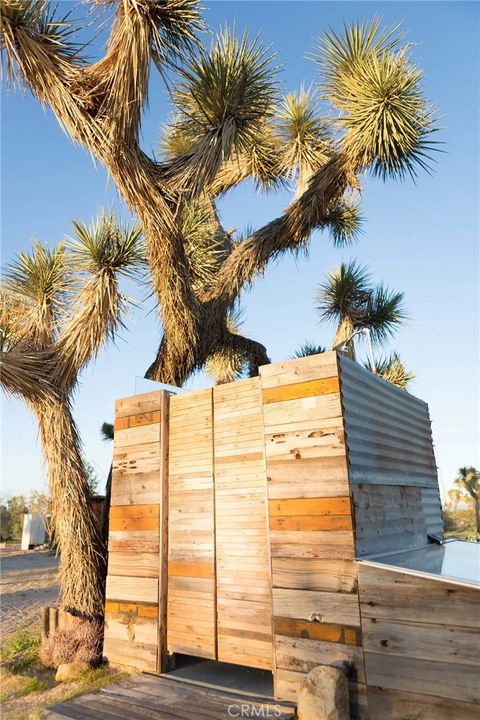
244 600
135 532
421 641
191 618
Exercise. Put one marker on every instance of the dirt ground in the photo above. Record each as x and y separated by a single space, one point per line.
28 582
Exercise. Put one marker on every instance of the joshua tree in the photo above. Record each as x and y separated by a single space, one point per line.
468 479
349 298
392 369
58 309
225 129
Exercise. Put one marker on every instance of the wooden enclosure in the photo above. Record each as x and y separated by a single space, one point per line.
238 513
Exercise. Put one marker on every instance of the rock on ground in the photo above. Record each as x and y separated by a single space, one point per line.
324 695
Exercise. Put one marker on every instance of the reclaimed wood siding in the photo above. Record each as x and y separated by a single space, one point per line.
391 463
191 622
421 639
314 577
135 532
244 599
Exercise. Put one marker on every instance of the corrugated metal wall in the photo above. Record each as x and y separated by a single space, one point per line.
392 467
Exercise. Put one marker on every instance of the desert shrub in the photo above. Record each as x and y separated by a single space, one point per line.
81 641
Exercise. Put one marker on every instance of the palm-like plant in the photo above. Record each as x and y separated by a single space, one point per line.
308 348
349 298
70 304
393 369
226 129
468 479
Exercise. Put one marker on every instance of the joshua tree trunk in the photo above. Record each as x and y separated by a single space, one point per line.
82 556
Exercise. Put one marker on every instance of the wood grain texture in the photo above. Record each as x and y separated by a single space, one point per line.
437 678
135 564
303 655
452 643
392 595
322 607
398 705
132 589
312 574
126 652
138 404
288 372
244 607
191 621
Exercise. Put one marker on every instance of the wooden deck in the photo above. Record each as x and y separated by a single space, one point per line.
145 697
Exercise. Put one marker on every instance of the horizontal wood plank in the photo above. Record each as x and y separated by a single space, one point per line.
323 386
323 607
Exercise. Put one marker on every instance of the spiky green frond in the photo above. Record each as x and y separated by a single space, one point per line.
107 431
221 96
304 137
37 20
344 221
369 78
392 369
106 246
43 280
383 312
345 292
176 24
308 348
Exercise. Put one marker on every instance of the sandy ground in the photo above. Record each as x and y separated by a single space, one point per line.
28 582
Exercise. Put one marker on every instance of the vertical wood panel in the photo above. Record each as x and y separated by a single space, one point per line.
132 590
191 623
244 607
311 533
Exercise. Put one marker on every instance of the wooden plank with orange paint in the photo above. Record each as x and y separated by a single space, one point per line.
191 569
121 512
133 524
317 631
311 522
130 421
310 506
323 386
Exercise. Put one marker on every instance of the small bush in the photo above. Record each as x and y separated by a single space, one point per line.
81 641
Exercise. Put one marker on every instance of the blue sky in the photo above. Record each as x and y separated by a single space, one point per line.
420 238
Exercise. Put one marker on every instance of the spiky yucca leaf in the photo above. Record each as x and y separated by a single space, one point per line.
349 297
371 81
392 369
103 252
383 312
37 21
304 138
222 97
344 221
308 348
345 291
42 280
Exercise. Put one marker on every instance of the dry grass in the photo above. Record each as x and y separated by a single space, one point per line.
27 688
